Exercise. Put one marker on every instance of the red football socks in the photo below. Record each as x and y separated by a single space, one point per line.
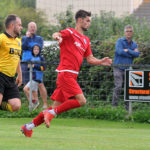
67 105
39 119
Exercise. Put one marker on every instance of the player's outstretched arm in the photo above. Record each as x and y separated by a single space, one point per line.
57 36
106 61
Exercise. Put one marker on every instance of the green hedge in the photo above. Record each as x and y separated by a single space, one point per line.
99 111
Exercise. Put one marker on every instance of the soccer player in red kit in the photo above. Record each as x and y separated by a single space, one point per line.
74 46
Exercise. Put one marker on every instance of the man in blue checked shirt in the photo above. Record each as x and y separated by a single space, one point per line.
125 51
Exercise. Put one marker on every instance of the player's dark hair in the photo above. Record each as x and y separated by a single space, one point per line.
9 19
82 14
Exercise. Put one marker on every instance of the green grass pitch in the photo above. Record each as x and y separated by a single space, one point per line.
75 134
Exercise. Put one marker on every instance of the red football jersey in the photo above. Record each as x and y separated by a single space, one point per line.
73 48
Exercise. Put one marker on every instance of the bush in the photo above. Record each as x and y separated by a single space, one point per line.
102 111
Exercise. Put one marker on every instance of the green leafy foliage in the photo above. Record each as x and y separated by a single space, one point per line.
25 9
66 19
91 110
27 3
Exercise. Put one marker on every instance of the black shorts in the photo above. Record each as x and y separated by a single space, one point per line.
8 88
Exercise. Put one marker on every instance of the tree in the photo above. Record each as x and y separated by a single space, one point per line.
25 9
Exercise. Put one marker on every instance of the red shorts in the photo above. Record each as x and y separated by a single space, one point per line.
67 87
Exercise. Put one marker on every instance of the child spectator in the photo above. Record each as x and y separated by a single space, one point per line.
37 76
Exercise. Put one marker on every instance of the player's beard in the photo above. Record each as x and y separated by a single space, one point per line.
17 33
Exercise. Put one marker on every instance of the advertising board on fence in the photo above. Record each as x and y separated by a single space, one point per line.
137 86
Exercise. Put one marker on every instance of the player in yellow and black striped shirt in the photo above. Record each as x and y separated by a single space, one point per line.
10 52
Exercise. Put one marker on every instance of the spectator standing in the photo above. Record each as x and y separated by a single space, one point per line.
27 42
37 76
125 51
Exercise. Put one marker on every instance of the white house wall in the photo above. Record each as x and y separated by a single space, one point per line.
120 7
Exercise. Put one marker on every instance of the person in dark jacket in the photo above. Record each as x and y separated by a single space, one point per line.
125 52
27 44
37 76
